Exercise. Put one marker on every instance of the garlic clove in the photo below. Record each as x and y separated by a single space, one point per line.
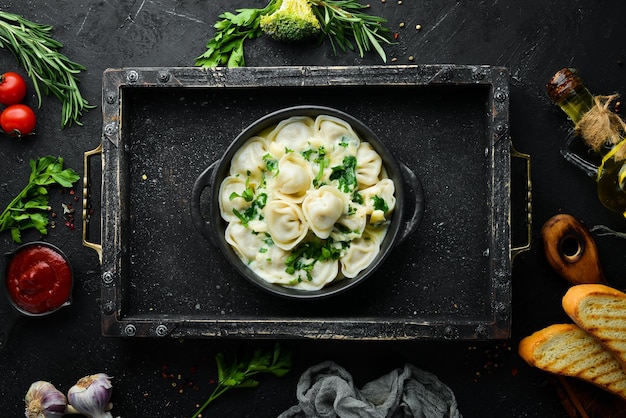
91 394
43 400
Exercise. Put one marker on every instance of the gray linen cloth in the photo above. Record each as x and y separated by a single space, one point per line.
327 391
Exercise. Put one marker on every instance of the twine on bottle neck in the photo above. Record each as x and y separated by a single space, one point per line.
600 126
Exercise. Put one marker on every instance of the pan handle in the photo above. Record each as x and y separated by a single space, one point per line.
415 187
86 201
202 224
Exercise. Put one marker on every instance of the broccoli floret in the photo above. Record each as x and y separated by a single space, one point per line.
293 22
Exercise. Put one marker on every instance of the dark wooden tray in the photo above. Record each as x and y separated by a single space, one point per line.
163 126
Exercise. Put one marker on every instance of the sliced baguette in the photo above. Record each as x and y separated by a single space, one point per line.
567 350
601 311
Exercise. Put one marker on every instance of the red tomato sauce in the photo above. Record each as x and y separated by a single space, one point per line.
39 279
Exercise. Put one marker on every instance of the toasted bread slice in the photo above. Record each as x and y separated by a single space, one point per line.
567 350
601 311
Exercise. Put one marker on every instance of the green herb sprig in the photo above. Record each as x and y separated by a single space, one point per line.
28 209
51 71
232 373
343 22
226 46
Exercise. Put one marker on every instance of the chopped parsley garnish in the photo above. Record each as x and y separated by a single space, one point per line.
343 228
304 257
306 154
380 204
323 163
345 174
252 211
271 163
247 194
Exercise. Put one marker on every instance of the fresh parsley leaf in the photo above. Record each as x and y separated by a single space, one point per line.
252 211
323 162
27 210
247 194
306 154
232 373
380 204
226 46
345 174
271 163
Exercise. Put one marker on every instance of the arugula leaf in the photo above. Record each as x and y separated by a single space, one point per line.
232 373
27 209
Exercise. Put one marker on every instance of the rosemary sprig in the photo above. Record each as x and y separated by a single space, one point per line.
51 71
343 22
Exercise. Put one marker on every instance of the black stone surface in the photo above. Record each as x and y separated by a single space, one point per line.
169 377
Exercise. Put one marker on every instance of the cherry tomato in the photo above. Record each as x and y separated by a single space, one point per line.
18 120
12 88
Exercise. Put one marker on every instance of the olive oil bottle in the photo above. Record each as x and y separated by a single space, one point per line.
567 91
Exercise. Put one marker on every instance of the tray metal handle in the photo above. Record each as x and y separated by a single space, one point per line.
515 251
86 201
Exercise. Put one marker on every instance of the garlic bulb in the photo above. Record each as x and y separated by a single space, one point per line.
43 400
90 395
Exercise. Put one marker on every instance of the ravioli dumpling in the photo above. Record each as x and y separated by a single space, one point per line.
285 223
293 134
368 165
244 241
322 208
379 197
360 254
249 159
331 131
294 178
270 266
230 197
323 273
350 225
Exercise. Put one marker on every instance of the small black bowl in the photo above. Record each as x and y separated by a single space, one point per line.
17 310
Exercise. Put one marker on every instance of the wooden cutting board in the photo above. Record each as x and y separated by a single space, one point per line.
583 400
